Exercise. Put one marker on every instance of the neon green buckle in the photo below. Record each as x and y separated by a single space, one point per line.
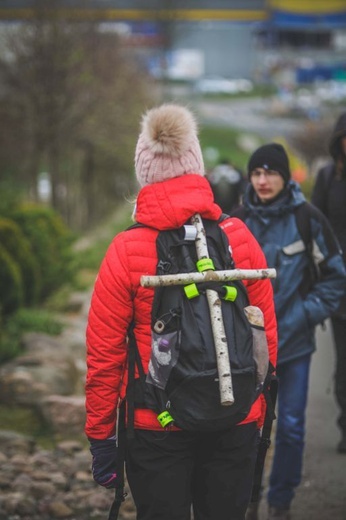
205 264
165 419
191 291
231 293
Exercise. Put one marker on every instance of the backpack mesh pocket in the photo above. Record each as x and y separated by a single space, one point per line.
260 345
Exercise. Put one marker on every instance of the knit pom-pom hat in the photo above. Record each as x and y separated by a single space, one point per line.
167 146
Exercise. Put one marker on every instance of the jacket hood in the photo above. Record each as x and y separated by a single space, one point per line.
169 204
290 197
338 132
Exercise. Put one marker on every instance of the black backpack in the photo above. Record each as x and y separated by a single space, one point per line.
182 384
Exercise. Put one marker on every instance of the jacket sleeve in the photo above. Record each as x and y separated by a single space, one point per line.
261 295
248 254
324 297
109 317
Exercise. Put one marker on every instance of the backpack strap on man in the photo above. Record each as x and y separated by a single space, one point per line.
303 222
303 214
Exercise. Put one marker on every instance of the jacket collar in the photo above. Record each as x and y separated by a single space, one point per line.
286 202
169 204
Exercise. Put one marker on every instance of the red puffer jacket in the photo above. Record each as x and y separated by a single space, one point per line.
118 297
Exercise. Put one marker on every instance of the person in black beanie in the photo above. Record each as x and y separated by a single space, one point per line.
270 157
275 210
329 195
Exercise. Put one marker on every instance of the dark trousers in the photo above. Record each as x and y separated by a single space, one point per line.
168 472
339 333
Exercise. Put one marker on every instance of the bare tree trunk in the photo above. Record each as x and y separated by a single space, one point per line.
87 179
33 173
54 170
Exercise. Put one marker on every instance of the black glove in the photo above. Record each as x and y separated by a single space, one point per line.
104 461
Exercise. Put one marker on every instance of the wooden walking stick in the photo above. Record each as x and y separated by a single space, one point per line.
219 334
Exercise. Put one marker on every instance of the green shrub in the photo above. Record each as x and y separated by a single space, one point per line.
11 284
34 320
15 243
10 346
25 320
11 194
51 241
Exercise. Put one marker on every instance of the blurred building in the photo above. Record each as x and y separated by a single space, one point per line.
303 41
251 39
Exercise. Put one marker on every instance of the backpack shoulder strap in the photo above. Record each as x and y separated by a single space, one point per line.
303 222
303 215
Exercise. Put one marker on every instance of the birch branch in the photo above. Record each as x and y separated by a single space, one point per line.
207 276
219 334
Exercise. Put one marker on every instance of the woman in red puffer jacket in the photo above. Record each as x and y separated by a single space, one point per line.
168 471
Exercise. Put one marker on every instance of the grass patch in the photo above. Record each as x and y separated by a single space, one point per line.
226 142
20 419
88 253
27 421
25 320
34 320
89 256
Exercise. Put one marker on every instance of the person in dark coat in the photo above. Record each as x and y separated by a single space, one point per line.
329 195
270 206
228 185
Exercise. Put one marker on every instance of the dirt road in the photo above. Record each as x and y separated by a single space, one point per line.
322 493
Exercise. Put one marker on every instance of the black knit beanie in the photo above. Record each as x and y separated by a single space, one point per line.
270 157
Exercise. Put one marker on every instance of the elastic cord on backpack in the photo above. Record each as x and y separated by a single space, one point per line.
226 292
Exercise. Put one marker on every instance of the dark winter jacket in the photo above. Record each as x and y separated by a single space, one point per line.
275 227
338 132
329 193
118 297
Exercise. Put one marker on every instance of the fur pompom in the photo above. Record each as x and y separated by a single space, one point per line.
167 146
169 130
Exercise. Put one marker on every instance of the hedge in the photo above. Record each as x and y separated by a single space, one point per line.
11 283
18 247
50 241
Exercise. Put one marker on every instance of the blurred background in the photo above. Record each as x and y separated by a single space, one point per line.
75 78
76 74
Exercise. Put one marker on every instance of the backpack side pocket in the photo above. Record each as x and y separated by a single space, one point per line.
260 345
164 355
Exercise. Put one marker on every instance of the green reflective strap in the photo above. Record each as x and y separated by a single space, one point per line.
191 291
205 264
231 293
164 419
